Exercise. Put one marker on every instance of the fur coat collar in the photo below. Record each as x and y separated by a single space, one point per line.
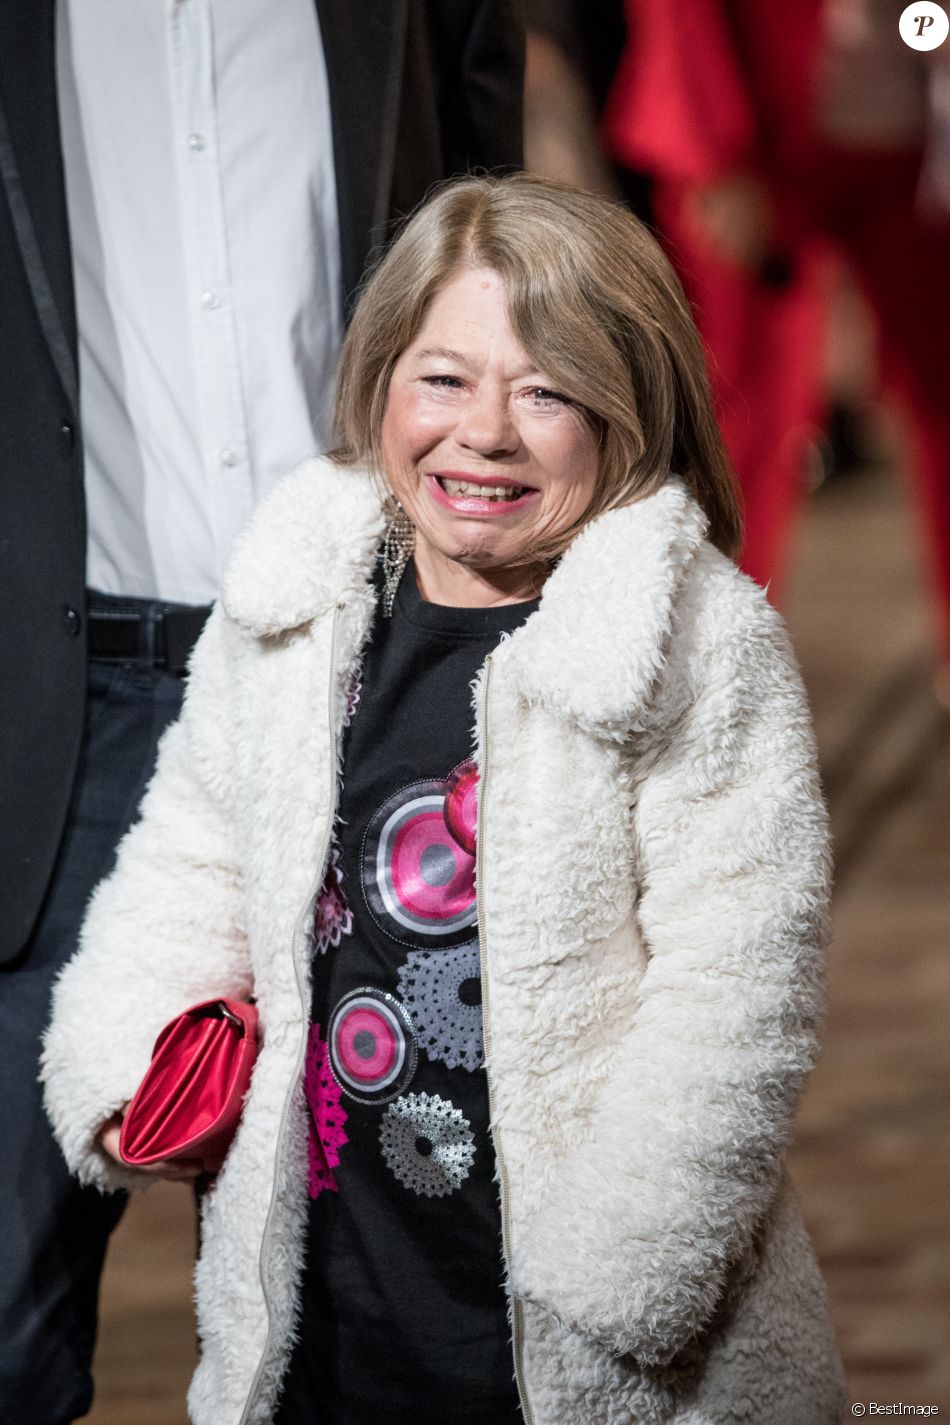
592 651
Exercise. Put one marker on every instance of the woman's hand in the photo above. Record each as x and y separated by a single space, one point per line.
173 1170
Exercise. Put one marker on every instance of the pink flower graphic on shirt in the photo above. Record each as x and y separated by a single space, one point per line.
332 917
327 1117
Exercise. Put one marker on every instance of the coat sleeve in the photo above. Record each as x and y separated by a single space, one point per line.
479 47
165 930
690 1131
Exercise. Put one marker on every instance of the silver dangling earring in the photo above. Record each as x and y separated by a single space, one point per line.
397 551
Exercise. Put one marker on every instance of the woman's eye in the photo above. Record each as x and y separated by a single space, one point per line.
544 396
443 383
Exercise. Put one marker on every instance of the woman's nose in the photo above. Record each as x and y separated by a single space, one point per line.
486 425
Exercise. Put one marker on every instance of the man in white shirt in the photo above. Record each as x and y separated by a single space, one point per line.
190 191
202 204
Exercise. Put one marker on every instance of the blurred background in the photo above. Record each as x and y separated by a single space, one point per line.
794 160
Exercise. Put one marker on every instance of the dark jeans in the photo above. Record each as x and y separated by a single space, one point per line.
53 1234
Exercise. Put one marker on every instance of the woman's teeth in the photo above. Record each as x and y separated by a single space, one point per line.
484 492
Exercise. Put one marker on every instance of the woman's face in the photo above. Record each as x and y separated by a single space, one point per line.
483 454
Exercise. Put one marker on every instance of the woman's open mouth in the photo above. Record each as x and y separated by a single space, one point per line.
489 495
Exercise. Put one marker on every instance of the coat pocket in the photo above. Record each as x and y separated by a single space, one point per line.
573 1379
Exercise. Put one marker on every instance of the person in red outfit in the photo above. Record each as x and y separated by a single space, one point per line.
783 138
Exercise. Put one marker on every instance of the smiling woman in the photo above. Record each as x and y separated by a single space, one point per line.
554 341
488 462
536 1019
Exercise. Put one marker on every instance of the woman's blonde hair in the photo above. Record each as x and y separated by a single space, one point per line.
592 300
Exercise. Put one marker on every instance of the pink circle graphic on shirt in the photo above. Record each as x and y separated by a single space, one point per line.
419 882
430 875
461 804
372 1045
367 1045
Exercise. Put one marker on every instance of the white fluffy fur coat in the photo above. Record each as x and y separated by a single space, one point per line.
654 875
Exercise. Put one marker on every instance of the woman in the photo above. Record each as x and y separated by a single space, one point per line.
550 1071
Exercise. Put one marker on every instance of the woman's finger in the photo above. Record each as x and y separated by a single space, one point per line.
109 1136
174 1169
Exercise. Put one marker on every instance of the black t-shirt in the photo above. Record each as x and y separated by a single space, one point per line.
404 1314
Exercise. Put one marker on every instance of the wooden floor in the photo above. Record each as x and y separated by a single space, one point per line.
872 1154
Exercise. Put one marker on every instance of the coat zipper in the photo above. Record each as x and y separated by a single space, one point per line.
305 1006
517 1323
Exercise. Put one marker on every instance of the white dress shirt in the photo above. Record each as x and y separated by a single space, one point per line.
202 206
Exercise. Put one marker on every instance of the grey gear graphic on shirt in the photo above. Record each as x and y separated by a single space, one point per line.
428 1144
442 991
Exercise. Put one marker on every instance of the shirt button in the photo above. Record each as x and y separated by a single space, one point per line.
71 620
210 299
229 456
196 142
68 434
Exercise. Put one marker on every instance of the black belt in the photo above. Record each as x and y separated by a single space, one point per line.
121 636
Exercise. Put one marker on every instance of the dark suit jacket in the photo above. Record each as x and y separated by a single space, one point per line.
419 90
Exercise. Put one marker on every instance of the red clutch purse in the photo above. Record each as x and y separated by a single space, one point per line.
189 1103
